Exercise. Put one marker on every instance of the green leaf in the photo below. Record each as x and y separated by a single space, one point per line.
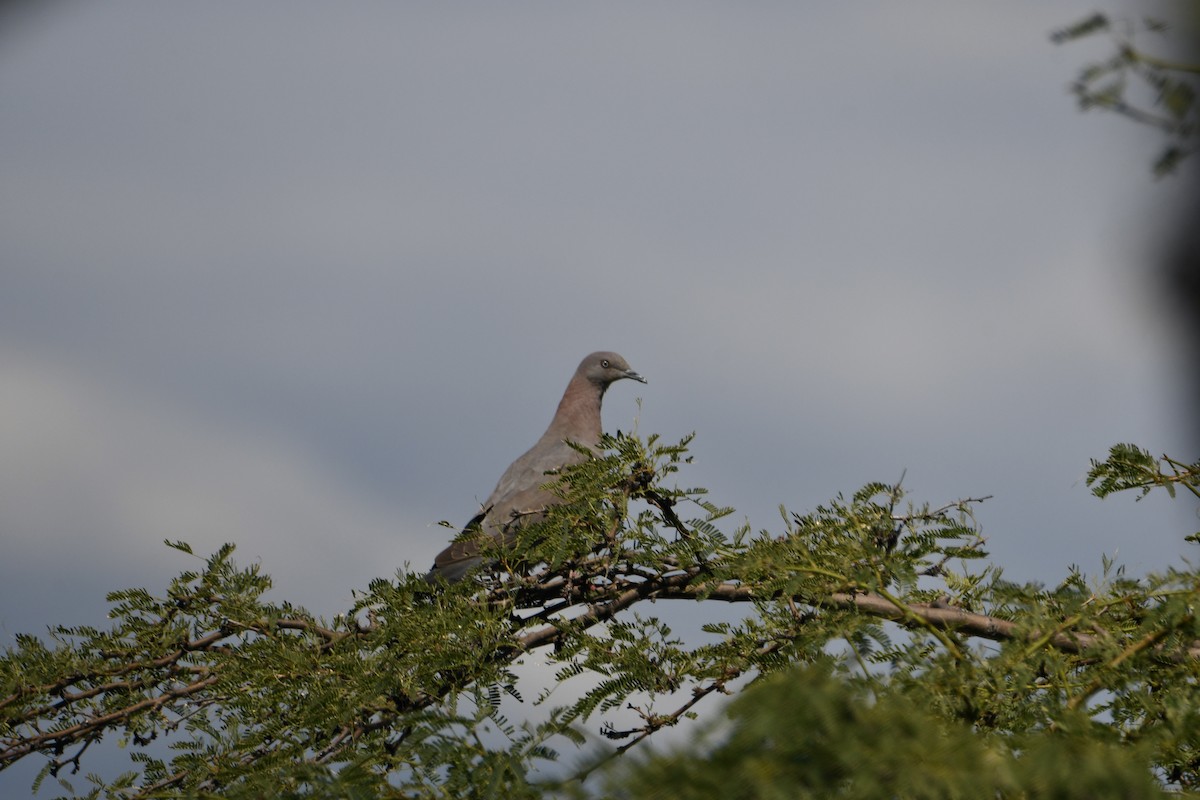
1085 27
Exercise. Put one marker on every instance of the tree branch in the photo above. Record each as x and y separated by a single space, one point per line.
683 586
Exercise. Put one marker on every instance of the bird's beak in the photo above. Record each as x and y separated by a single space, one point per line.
631 374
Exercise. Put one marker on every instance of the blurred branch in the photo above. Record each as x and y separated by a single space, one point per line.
1133 81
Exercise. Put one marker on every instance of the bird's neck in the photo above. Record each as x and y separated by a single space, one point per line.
578 415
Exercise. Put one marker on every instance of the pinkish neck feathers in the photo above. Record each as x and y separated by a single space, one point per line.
578 416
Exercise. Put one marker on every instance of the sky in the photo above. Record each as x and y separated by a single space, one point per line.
307 277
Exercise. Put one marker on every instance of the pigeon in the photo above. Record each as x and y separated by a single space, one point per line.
519 497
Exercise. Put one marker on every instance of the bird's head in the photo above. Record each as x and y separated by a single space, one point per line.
605 367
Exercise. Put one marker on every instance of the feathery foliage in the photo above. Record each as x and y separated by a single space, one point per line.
885 658
1158 92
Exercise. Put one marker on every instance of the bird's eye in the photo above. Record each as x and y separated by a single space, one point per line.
604 363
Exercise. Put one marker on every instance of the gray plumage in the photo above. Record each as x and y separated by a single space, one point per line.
519 496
